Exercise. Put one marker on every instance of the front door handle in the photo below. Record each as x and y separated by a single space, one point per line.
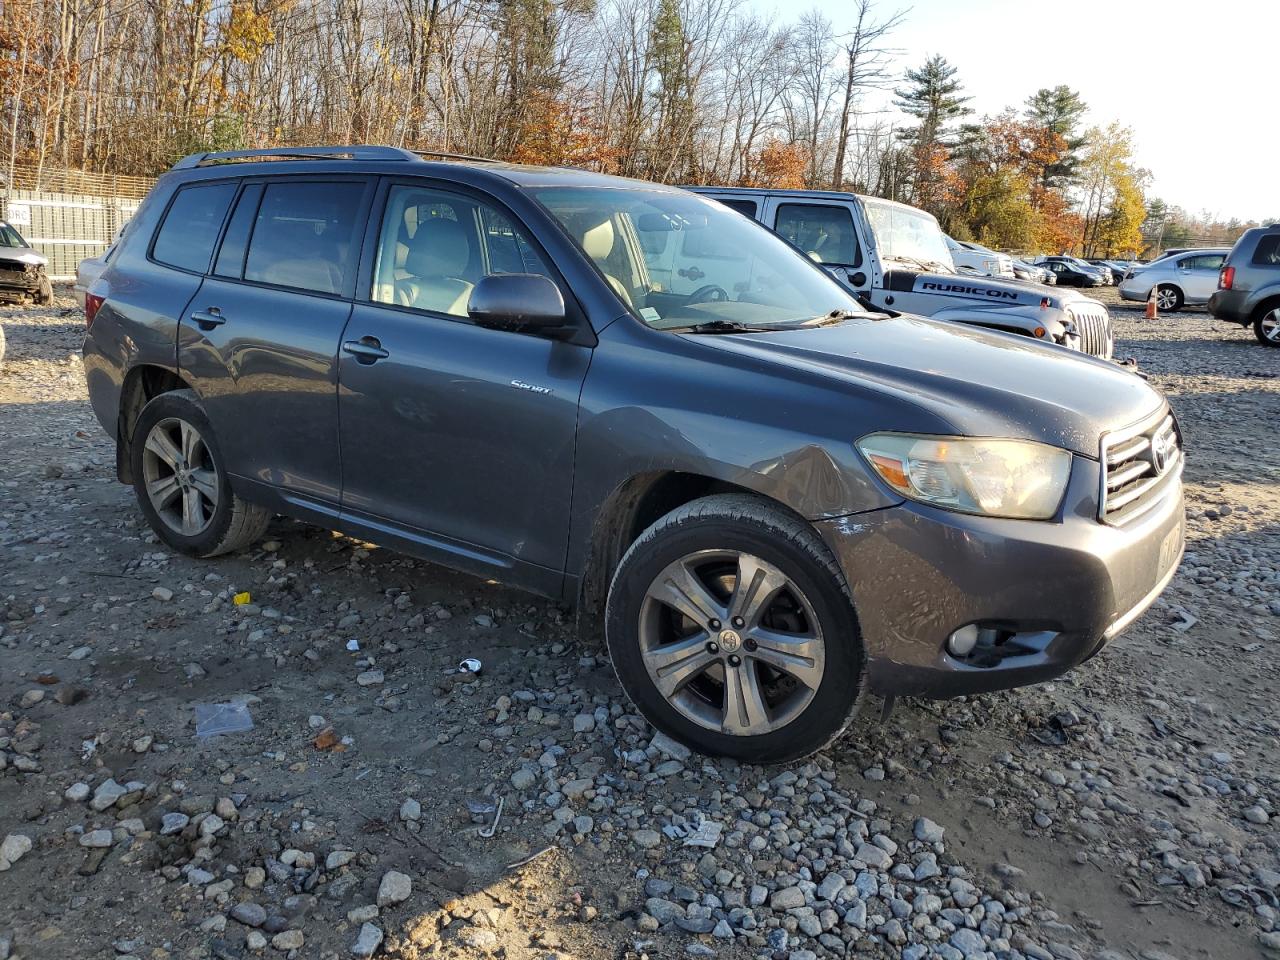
365 350
208 319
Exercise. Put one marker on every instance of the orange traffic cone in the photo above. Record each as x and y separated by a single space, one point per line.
1153 311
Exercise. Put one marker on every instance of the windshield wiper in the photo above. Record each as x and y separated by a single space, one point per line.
724 326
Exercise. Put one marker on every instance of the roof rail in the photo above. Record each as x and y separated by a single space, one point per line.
453 156
359 152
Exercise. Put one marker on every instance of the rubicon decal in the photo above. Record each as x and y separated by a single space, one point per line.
964 290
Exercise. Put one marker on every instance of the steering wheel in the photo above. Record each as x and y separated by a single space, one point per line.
709 292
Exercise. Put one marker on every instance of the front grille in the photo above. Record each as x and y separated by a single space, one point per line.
1139 464
1093 324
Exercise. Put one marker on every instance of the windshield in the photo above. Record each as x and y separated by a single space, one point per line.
906 234
679 260
9 237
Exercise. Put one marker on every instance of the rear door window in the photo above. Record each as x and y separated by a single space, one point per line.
305 235
190 229
1267 253
824 232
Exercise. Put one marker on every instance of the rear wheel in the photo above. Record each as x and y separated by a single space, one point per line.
1266 325
180 482
1168 297
731 629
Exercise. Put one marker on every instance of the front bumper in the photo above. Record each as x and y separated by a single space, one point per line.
18 283
1061 589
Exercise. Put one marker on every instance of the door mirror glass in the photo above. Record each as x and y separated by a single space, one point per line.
517 301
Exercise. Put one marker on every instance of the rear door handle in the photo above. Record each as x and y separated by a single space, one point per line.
208 319
365 350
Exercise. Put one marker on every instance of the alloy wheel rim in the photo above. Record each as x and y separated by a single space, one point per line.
1271 325
1166 299
731 642
180 478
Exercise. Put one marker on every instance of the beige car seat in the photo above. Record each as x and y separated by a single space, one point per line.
436 258
598 243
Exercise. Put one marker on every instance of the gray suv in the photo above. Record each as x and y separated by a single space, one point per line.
1249 285
771 500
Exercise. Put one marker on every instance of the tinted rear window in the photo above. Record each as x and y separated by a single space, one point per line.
745 207
1268 252
191 226
304 235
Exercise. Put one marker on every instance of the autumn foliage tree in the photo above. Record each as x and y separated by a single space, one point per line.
781 166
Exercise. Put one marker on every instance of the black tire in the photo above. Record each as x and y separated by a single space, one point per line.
232 523
1266 324
1172 294
44 296
759 530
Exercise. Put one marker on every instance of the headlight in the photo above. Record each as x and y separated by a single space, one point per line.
996 478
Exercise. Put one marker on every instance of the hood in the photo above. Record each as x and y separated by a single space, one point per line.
989 290
24 255
961 379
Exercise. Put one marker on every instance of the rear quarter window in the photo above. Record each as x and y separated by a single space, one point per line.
1267 253
191 225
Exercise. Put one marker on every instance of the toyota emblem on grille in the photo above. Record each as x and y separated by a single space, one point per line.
1162 449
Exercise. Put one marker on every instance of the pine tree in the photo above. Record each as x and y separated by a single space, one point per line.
1058 112
932 96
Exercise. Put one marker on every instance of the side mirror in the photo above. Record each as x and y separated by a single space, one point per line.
517 301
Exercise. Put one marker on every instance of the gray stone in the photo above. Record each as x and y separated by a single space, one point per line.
97 839
927 831
106 795
788 898
873 856
670 748
663 910
172 823
394 888
523 779
411 809
969 942
646 839
288 940
368 941
831 886
249 913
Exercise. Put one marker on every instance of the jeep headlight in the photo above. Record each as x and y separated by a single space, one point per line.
996 478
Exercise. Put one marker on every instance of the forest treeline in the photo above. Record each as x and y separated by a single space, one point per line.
673 90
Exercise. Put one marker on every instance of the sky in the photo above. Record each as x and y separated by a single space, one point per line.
1196 79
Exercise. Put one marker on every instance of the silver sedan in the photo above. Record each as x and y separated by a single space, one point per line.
1188 278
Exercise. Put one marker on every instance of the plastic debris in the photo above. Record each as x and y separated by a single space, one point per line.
353 645
240 599
696 832
707 835
491 829
216 719
470 665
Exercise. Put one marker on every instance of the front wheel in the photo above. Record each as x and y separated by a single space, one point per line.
1266 326
731 629
1168 297
44 296
181 484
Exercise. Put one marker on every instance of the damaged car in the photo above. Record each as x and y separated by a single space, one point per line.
22 269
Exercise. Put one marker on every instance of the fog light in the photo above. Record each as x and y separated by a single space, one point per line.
961 643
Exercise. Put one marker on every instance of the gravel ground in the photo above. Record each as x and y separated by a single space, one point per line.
1128 810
